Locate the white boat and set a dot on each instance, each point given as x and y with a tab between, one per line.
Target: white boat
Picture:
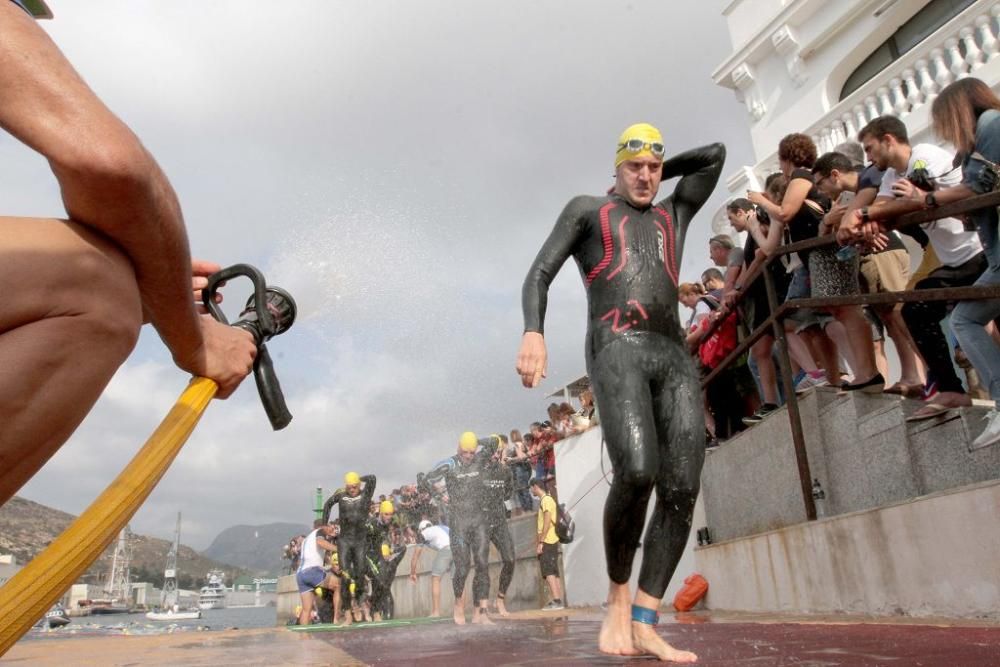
213	593
173	615
56	617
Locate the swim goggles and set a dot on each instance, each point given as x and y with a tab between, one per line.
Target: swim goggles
638	145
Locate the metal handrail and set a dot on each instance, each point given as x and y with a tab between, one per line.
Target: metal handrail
780	311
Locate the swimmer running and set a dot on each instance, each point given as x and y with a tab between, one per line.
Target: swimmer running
628	251
352	544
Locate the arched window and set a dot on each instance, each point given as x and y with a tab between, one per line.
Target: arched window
911	33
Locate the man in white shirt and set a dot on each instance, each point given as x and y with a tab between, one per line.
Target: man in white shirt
438	539
311	572
912	175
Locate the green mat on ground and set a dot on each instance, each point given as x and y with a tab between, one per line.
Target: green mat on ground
395	623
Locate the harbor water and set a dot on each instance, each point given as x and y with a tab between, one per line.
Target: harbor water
235	618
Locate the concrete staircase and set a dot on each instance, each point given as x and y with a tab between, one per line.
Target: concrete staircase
909	523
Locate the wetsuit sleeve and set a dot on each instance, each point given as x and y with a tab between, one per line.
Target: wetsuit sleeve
330	502
557	249
508	483
369	481
699	170
437	473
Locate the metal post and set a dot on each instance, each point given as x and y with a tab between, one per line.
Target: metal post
791	401
319	502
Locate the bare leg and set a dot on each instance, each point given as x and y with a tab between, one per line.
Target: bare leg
554	588
859	337
71	316
459	611
435	597
761	351
911	366
479	615
616	630
645	639
307	606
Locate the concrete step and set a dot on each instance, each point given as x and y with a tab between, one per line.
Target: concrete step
860	449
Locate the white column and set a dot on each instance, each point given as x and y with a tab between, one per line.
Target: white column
986	36
849	129
928	86
942	75
884	103
899	103
974	57
860	116
913	94
958	66
872	108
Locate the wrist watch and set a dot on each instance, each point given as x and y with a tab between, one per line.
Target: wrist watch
930	201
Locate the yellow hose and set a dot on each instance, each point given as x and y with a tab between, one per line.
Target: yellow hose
32	591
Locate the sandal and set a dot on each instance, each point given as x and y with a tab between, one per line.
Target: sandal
905	390
927	411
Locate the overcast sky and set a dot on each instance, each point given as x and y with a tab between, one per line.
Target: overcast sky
396	165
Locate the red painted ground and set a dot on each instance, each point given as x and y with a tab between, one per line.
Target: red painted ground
572	640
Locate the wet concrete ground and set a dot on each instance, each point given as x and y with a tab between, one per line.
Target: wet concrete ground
534	638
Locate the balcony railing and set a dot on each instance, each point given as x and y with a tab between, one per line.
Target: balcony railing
779	311
956	50
959	48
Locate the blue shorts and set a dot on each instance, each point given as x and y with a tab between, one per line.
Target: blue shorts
309	578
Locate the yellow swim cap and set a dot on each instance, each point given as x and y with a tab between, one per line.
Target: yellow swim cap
468	442
639	140
352	478
385	507
385	550
335	558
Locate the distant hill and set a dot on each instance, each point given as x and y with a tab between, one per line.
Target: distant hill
255	548
27	527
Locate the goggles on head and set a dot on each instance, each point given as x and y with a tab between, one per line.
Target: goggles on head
639	145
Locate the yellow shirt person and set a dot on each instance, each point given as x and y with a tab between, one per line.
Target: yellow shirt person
548	504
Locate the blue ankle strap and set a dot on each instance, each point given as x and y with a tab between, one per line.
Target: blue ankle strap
644	615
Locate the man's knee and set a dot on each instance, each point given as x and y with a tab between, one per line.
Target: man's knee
637	475
111	308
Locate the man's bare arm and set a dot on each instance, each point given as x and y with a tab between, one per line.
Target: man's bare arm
109	182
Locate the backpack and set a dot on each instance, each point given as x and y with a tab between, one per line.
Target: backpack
565	526
723	340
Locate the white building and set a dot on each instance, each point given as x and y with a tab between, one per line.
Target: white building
827	67
8	567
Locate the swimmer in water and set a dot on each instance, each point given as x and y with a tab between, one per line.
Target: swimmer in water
628	250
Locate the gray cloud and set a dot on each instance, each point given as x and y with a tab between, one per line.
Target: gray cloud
396	165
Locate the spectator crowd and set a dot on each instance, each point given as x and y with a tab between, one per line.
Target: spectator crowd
858	192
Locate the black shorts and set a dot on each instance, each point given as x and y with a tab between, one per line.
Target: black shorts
548	560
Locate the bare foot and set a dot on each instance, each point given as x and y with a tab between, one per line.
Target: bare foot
645	640
377	617
616	629
348	618
479	617
459	616
502	608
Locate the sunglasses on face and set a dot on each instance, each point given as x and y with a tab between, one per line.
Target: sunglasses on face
638	145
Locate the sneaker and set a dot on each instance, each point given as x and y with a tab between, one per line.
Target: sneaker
554	605
809	381
763	411
990	434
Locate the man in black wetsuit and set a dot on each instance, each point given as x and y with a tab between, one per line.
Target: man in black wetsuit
352	544
379	536
499	489
465	478
628	251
